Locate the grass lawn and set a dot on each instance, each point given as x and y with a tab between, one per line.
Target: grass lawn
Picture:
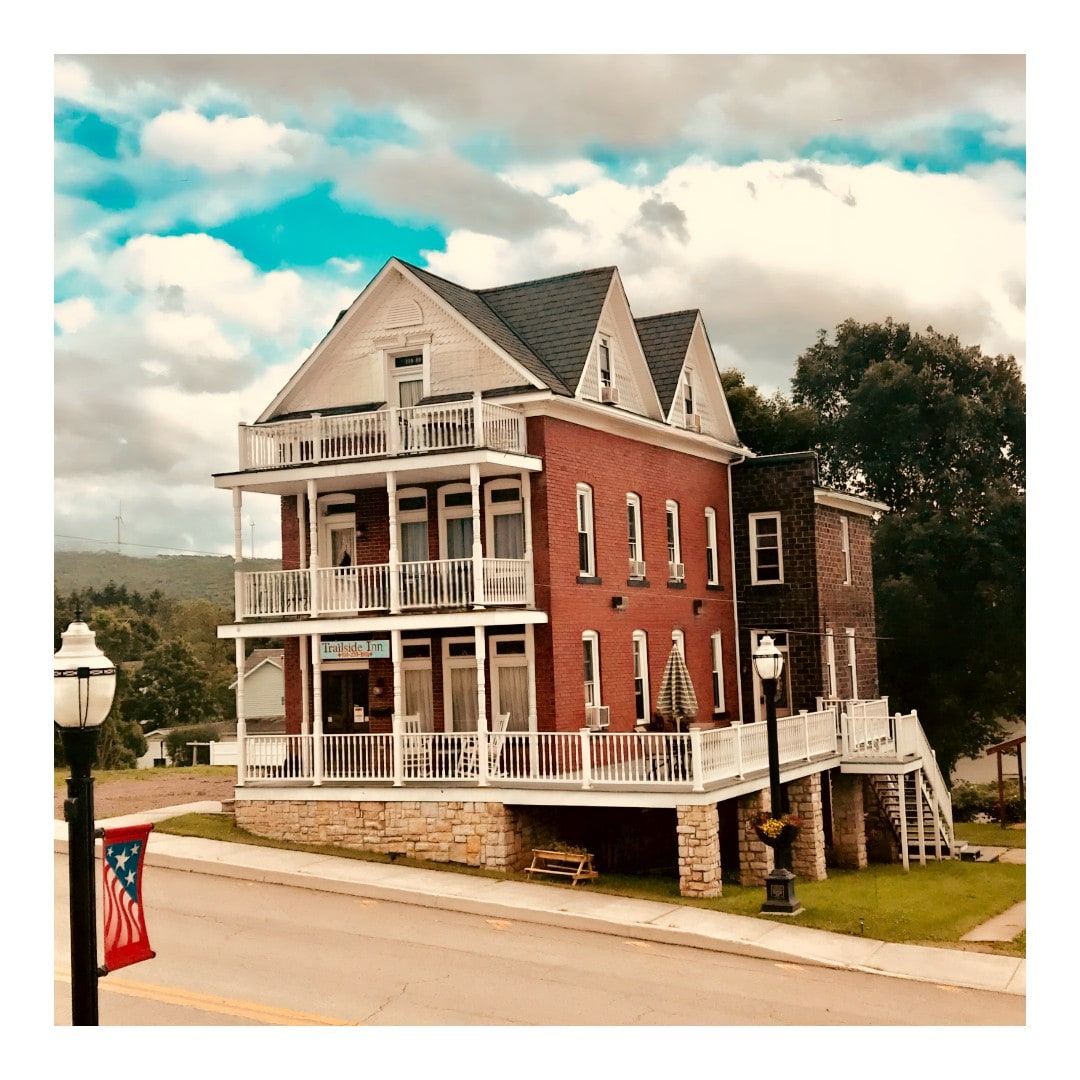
991	835
934	904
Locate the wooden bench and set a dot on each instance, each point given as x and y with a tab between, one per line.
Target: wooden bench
571	864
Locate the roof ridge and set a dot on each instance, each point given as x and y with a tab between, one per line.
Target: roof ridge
548	280
667	314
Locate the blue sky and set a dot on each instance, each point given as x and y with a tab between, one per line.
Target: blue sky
214	213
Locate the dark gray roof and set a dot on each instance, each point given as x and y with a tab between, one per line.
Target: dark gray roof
665	340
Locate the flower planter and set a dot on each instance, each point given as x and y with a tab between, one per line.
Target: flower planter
778	832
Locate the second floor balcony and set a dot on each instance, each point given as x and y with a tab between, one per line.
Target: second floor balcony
376	588
422	429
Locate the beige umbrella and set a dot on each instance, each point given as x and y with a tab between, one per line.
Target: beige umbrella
676	699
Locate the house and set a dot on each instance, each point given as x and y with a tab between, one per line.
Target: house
501	512
264	687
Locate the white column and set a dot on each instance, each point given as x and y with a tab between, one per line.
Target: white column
478	419
395	719
241	726
313	545
481	705
301	528
317	709
394	568
526	513
919	818
477	548
305	705
534	740
238	524
901	803
696	759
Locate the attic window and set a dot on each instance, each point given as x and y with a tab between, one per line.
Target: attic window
404	313
604	352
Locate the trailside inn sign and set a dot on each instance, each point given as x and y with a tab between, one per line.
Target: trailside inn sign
355	650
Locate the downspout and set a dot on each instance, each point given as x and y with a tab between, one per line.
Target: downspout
734	584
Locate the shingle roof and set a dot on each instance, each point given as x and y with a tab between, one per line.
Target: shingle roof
665	340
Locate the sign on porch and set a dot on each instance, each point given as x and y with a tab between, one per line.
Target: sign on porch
355	650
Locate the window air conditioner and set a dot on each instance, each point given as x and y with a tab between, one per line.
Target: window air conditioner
609	394
596	717
693	422
676	571
637	568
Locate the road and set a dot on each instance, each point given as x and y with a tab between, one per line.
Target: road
234	952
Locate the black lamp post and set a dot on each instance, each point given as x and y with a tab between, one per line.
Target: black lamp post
780	884
84	682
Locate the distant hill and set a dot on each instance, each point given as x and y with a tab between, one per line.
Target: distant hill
183	577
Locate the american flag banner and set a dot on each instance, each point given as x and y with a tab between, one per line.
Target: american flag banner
126	941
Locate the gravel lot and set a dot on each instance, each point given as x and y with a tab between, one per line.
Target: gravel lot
153	789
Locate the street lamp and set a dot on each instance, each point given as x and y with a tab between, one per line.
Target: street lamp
84	682
780	884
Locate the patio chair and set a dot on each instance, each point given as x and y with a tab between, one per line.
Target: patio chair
497	741
415	747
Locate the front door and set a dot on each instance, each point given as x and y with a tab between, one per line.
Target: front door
345	701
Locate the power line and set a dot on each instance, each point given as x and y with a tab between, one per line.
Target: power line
128	543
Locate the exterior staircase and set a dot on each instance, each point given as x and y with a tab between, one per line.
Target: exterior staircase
938	839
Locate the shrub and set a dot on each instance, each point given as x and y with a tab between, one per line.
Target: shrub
979	802
177	741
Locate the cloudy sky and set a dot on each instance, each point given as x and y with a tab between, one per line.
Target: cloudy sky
214	213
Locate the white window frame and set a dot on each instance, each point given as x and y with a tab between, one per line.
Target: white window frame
712	548
494	509
755	576
674	541
446	513
640	646
852	660
590	650
845	548
586	528
455	662
830	660
678	639
719	699
688	392
604	351
499	660
635	542
396	375
411	517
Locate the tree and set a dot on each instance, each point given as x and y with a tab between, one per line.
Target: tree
171	689
771	425
936	430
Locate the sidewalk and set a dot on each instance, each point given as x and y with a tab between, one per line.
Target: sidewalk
578	908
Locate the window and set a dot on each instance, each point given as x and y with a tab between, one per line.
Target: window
718	673
459	683
688	393
633	535
712	548
845	547
412	525
678	639
456	521
830	661
505	520
676	571
586	543
590	647
852	666
766	556
641	677
604	356
408	375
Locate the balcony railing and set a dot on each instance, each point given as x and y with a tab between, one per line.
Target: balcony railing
577	759
365	588
422	429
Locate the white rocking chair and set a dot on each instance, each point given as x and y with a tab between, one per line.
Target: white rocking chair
415	748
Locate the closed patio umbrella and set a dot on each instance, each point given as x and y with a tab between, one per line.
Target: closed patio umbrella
676	699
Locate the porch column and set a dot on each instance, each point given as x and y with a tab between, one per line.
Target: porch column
317	730
477	547
526	518
919	816
808	851
393	571
301	528
481	706
698	829
305	705
241	727
478	419
534	741
849	822
755	857
901	807
395	717
238	524
313	546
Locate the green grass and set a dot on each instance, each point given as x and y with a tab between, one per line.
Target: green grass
102	776
991	835
934	904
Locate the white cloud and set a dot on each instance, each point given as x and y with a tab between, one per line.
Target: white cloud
174	332
550	178
223	144
72	315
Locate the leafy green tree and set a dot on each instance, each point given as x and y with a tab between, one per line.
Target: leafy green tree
171	689
180	753
773	425
936	430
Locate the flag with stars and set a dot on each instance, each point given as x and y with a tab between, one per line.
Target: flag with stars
126	940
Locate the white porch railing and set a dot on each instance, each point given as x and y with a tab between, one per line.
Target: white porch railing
421	429
578	759
355	590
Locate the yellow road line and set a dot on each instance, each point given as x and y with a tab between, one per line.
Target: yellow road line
246	1010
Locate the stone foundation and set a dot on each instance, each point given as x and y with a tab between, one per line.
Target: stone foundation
808	851
849	822
698	831
471	833
755	858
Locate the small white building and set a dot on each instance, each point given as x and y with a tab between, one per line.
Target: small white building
264	685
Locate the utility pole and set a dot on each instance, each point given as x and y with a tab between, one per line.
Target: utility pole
119	522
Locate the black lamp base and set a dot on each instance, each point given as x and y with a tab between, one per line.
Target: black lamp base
780	898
